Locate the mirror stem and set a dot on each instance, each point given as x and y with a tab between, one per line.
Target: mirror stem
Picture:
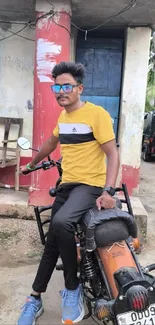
34	149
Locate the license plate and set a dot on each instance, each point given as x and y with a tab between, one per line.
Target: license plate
146	317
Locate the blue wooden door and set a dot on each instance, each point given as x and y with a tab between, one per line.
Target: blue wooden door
102	59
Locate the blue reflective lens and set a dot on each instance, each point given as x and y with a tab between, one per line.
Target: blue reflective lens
65	88
56	88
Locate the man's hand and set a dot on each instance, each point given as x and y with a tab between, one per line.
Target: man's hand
105	201
26	169
23	169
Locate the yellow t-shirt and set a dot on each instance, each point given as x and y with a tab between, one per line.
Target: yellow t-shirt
81	134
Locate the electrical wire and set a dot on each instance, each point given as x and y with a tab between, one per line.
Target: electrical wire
50	4
30	24
14	33
60	25
9	18
128	7
52	13
12	22
17	34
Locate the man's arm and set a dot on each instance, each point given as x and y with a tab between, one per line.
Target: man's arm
104	134
113	162
48	147
111	151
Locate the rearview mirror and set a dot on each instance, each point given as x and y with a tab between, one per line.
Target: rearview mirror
23	143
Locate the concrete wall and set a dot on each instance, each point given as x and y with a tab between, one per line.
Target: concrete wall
16	77
16	89
133	104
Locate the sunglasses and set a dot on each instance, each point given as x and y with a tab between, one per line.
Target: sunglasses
67	88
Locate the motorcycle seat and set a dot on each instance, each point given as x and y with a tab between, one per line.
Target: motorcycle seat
105	227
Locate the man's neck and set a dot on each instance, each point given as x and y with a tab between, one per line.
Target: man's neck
74	107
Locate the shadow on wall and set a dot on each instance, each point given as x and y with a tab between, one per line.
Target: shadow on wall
29	105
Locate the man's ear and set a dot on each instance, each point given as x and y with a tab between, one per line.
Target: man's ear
80	89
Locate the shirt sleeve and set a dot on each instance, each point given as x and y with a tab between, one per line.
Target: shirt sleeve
102	126
56	131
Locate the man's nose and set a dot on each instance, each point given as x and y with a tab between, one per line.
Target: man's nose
61	91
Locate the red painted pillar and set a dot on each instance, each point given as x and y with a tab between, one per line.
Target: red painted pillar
52	47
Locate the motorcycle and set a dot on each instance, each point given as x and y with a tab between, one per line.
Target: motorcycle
148	140
116	287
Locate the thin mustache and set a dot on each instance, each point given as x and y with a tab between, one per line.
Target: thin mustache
60	96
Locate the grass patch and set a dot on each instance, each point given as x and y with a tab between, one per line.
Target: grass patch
4	235
33	254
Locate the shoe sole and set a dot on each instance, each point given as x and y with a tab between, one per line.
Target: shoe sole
77	320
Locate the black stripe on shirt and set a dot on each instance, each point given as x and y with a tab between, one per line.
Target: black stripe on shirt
75	138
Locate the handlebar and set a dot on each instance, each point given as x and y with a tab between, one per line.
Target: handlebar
46	165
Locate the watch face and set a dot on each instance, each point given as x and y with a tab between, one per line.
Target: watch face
110	190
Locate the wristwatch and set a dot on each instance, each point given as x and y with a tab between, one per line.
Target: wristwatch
109	190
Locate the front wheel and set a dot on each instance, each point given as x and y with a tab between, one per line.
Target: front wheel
146	156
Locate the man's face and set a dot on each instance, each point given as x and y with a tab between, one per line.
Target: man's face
71	91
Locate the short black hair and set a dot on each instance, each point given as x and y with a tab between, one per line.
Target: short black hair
77	70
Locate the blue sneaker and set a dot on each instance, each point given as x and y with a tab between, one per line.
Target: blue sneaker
72	306
32	309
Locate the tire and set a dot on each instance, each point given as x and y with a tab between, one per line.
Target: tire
146	156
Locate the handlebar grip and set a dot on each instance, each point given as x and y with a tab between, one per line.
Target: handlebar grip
44	165
26	172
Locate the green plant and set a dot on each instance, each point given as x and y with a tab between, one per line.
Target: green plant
150	92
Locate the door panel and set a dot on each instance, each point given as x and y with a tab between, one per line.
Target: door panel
86	58
115	67
100	64
111	104
102	59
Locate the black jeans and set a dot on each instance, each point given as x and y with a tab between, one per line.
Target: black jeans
72	201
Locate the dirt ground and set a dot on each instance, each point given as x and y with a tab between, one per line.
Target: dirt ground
20	251
147	197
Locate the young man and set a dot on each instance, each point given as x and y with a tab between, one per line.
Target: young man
86	136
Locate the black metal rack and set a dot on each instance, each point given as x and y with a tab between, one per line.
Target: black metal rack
41	222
